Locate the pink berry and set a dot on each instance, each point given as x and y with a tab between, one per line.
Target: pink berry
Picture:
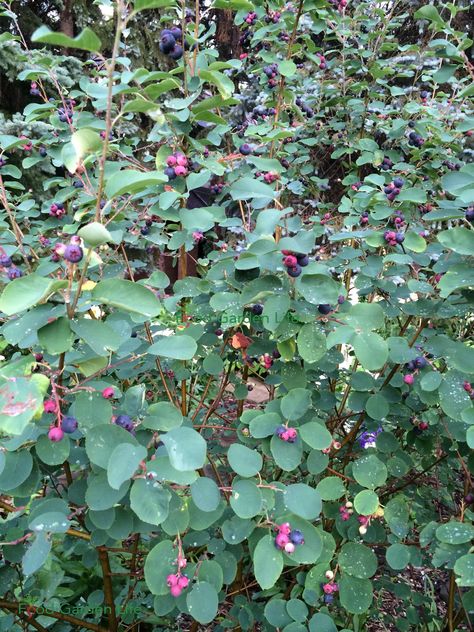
55	434
423	425
181	160
284	528
49	406
281	540
172	580
175	591
408	379
328	589
171	161
180	170
290	261
183	581
108	392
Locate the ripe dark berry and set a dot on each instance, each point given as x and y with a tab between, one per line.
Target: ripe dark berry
257	309
5	261
399	182
78	184
276	354
421	362
133	334
303	260
176	32
296	536
170	172
73	253
469	498
124	421
245	149
144	230
469	215
294	271
167	43
218	332
399	238
177	52
69	425
324	309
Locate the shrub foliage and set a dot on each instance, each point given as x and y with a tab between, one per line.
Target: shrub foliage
236	320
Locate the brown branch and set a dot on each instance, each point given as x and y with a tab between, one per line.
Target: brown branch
14	606
108	590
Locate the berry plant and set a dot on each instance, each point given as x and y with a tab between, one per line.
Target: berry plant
236	319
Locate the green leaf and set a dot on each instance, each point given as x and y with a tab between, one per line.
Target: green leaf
101	338
150	501
355	594
186	448
331	488
179	347
22	293
95	234
267	562
159	564
430	12
52	452
141	5
464	567
163	416
455	532
311	343
127	296
357	560
287	68
414	242
246	499
205	494
36	554
302	500
102	440
129	182
202	602
56	337
218	79
99	494
244	461
123	463
20	398
287	455
318	289
366	502
459	239
248	189
371	350
398	556
86	40
18	467
369	471
295	404
365	316
316	435
264	425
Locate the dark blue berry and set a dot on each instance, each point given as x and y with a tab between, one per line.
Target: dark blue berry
69	425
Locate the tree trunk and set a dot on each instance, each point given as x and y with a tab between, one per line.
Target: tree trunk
67	19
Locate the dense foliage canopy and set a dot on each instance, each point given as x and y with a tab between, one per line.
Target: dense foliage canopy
236	315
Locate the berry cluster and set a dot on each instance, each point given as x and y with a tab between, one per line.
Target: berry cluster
271	72
287	539
250	18
398	220
393	189
34	89
71	252
261	110
304	107
286	434
177	165
330	587
415	140
364	219
392	238
452	166
177	583
171	42
419	426
217	188
294	262
66	112
266	361
346	511
270	177
322	61
386	164
273	16
12	271
57	210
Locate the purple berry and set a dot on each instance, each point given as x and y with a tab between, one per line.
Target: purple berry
170	172
324	309
69	425
245	149
124	421
5	261
177	52
73	253
399	182
296	536
303	260
340	299
167	43
14	273
257	309
421	362
295	271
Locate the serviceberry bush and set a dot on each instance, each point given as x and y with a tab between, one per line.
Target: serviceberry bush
237	376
